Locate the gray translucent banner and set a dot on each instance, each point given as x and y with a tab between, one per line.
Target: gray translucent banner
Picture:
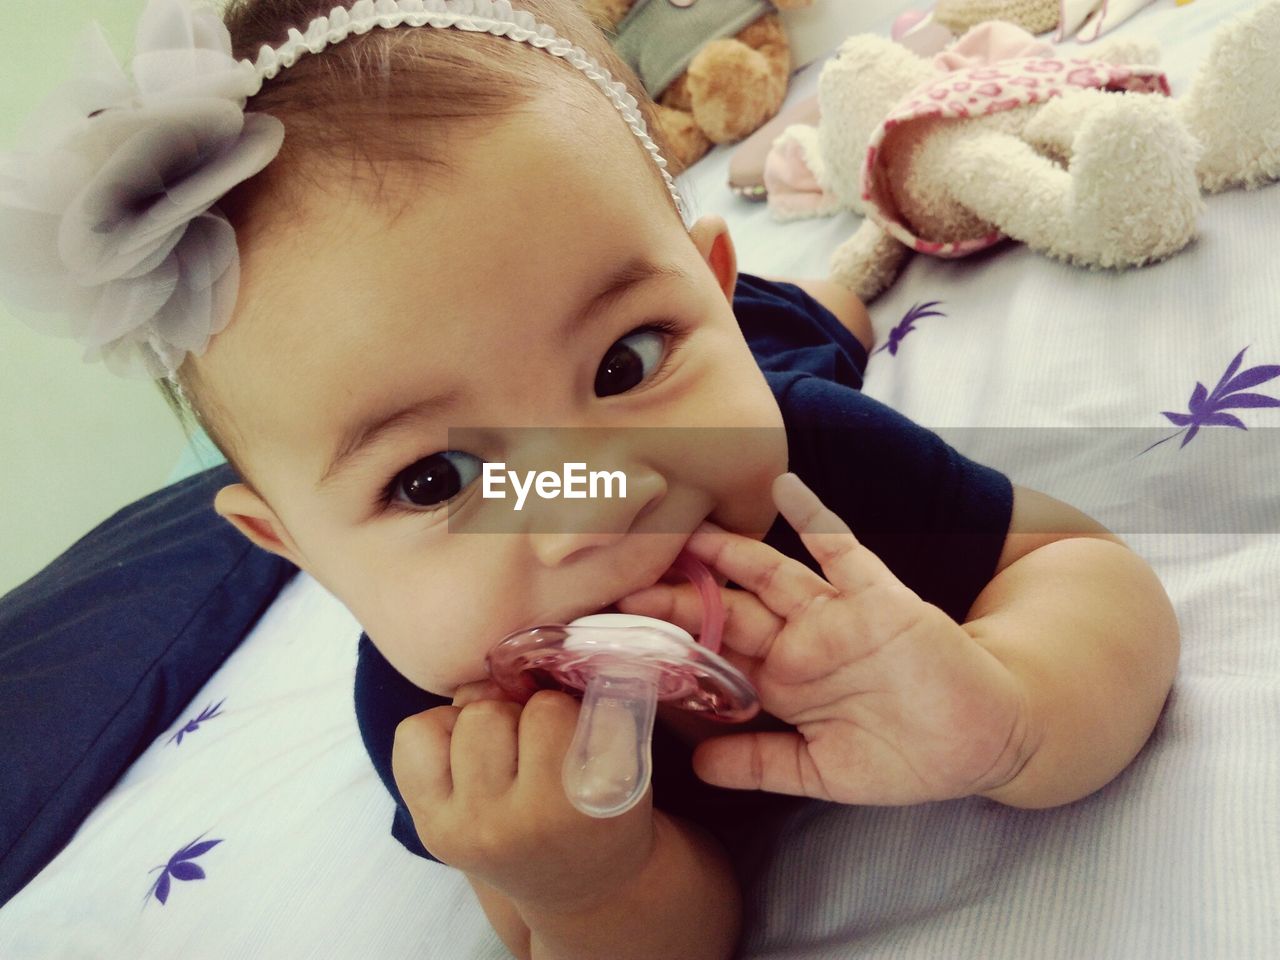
1132	480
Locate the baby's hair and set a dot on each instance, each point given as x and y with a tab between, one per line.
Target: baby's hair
389	97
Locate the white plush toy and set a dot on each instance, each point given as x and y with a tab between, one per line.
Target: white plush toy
1086	160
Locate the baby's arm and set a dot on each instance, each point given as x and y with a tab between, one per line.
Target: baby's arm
847	308
685	904
1084	625
1045	693
483	784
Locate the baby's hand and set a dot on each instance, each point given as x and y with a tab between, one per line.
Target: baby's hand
892	701
483	784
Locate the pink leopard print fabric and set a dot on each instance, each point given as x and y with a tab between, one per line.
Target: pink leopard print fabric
978	92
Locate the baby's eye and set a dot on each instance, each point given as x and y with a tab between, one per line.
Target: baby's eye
435	480
629	362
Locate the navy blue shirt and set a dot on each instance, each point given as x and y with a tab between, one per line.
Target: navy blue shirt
937	519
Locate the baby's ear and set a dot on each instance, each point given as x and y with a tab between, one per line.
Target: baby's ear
711	236
251	515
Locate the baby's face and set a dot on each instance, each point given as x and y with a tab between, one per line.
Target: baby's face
362	347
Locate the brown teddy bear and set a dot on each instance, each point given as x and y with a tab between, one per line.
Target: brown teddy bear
718	69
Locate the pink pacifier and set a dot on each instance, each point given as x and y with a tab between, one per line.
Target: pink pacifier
624	665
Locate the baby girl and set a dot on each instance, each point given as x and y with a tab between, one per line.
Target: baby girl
417	217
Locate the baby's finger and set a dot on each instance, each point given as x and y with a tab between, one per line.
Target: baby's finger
774	762
478	690
482	752
783	585
680	605
420	757
749	626
547	725
847	564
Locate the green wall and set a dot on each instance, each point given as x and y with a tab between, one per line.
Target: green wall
75	443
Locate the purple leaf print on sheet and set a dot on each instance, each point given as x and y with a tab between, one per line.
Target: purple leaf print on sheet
907	324
208	713
179	867
1206	408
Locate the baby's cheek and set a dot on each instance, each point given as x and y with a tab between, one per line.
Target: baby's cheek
440	655
413	641
762	445
739	376
761	457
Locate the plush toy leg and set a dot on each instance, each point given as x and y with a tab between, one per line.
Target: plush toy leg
1004	181
868	261
1233	107
1052	129
1128	197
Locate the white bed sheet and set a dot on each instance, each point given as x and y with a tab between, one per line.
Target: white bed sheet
1056	375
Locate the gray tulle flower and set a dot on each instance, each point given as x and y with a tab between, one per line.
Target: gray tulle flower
107	207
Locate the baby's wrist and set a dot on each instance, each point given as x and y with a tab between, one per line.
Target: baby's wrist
1015	776
598	904
1004	782
601	886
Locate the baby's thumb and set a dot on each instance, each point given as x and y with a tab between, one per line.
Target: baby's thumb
775	762
680	605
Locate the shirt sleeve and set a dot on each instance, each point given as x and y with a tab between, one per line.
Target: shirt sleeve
790	332
937	519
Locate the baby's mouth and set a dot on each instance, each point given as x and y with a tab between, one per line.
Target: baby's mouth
669	576
690	568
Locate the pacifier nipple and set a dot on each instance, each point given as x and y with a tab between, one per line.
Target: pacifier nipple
610	762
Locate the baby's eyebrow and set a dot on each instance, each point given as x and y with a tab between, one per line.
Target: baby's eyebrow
631	274
620	283
365	433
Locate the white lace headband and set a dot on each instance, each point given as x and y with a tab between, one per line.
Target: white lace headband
107	208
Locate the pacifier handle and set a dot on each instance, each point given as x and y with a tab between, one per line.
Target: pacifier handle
610	761
712	631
